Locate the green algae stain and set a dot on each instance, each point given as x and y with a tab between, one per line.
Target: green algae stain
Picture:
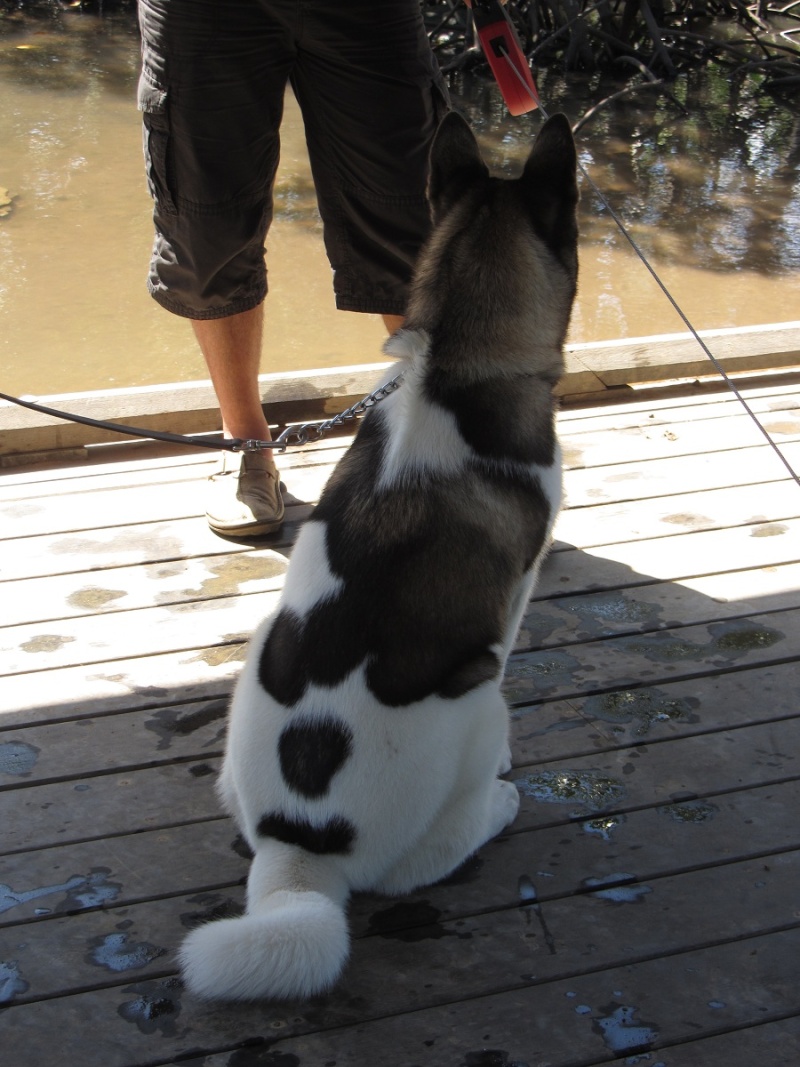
45	643
218	655
545	668
603	826
747	640
593	789
92	597
693	811
664	648
229	574
727	639
601	613
645	707
769	529
692	521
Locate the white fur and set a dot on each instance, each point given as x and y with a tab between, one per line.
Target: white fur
310	579
423	438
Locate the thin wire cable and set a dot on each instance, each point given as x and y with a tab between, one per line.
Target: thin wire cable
662	286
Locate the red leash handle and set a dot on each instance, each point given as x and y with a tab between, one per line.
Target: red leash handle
502	50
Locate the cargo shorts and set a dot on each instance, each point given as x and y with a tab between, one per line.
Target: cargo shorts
211	92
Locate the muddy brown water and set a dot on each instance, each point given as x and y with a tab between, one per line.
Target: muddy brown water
714	200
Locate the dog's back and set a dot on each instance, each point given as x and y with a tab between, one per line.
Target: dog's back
368	729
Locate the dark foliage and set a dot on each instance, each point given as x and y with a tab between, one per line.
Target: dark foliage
655	39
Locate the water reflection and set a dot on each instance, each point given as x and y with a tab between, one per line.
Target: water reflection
717	188
713	198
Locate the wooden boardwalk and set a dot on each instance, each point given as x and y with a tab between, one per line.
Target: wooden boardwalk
644	907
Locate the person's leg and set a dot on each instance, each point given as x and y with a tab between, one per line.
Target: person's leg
244	494
212	88
232	350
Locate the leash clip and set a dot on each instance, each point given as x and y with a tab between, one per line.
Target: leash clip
253	445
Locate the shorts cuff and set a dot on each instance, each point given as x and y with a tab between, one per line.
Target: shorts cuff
372	307
224	311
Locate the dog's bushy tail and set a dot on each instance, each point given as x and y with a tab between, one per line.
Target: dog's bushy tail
290	943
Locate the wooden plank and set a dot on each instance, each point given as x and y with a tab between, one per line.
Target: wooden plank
101	949
137	460
618	780
48	645
664	515
100	472
254	571
108	805
30	600
188	407
650	658
602	447
776	1043
559	857
643	1013
684	556
553	620
618	717
622	780
155	542
662	406
646	359
96	744
644	442
777	406
641	852
119	872
89	746
90	640
119	506
678	475
76	691
196	673
42	646
751	980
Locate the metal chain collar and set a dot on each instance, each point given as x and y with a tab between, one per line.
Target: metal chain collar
309	432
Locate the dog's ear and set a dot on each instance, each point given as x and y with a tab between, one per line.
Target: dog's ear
456	164
550	180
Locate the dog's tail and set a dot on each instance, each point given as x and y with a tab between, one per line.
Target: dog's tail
292	941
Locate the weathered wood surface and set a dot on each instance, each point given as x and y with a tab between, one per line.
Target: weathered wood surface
642	908
190	407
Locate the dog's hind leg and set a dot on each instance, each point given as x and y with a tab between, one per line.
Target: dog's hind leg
467	823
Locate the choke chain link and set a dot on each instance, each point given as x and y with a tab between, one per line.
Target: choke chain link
309	432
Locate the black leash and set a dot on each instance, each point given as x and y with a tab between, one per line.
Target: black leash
228	444
300	434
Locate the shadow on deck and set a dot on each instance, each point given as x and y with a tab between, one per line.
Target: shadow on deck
643	906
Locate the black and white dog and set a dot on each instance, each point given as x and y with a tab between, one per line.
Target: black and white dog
368	729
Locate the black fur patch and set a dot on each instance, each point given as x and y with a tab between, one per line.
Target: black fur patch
479	668
279	670
336	837
311	753
498	419
427	581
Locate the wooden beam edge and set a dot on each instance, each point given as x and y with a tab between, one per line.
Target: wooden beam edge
190	407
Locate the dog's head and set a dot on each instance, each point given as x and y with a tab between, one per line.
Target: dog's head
500	269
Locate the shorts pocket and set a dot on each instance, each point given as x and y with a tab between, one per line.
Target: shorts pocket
155	142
